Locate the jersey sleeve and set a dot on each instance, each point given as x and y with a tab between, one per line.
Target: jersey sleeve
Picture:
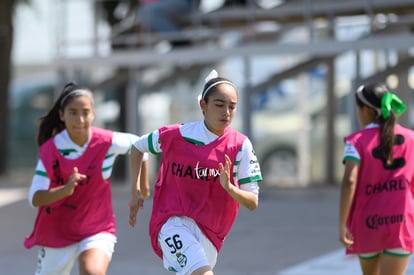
351	153
149	143
40	181
247	168
122	142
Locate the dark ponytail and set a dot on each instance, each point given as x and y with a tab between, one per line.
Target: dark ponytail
387	137
51	124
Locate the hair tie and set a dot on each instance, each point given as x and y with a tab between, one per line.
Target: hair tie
212	75
75	93
361	97
390	101
203	95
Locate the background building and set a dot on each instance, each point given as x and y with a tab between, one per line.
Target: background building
295	64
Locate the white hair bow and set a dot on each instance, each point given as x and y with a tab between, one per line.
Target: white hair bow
211	75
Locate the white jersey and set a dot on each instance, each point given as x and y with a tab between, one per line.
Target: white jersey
121	145
350	152
246	167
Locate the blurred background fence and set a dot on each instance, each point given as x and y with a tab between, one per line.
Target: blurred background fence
296	64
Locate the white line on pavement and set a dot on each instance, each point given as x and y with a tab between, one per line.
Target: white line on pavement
8	196
335	262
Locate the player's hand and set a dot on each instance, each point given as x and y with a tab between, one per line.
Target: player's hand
345	237
73	181
225	173
135	204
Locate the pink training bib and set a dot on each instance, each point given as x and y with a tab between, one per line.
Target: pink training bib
382	212
188	184
89	210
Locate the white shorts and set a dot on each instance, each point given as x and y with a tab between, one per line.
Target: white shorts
396	252
184	247
59	261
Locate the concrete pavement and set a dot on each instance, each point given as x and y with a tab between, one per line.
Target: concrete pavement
293	232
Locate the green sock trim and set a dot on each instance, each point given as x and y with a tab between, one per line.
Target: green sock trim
370	257
396	254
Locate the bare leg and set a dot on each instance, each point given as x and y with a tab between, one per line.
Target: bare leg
370	266
393	265
93	262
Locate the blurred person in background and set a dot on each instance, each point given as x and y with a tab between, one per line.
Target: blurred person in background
207	170
376	219
71	187
165	16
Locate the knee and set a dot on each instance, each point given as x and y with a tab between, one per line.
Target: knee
93	262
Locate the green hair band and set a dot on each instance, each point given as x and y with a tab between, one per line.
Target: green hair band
391	102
